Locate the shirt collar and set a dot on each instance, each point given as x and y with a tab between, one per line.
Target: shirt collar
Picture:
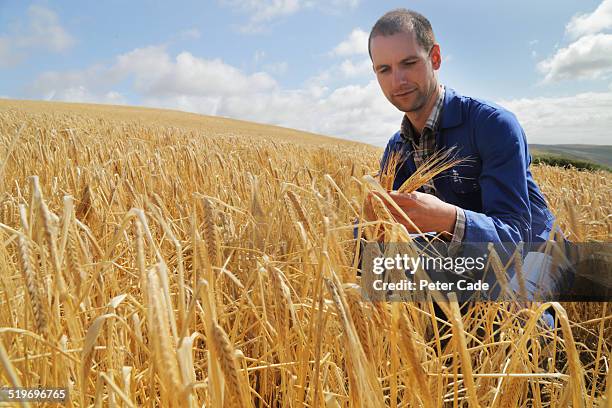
433	121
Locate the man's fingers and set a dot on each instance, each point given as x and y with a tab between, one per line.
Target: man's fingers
405	201
397	215
397	197
403	196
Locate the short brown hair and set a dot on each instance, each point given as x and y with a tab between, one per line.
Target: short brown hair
404	21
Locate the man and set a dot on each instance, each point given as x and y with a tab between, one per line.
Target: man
491	196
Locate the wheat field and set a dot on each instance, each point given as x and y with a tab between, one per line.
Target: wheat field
157	258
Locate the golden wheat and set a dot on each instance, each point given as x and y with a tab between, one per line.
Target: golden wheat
191	242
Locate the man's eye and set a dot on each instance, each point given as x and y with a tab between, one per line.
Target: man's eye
383	70
409	62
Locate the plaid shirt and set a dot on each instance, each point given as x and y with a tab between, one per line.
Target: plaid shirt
424	145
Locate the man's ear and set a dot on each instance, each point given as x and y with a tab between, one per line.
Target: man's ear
436	57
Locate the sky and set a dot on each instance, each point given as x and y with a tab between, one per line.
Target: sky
303	64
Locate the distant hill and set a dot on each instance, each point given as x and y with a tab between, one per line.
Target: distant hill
172	118
562	153
597	154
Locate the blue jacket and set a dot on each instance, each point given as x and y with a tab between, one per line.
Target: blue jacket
495	188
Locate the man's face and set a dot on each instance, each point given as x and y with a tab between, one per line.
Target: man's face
405	71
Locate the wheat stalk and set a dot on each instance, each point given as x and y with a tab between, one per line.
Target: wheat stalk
227	359
32	284
164	352
288	205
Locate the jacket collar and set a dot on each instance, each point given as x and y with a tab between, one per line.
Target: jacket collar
452	114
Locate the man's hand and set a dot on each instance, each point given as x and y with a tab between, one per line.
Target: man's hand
427	212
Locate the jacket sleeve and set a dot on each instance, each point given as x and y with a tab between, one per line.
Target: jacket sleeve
506	215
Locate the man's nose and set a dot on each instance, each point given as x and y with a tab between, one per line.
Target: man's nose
399	77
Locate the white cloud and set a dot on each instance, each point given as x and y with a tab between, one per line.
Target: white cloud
42	31
263	12
589	57
54	85
274	68
352	112
355	44
155	73
590	23
149	63
84	95
211	86
583	118
346	72
268	10
359	113
350	69
339	5
207	105
356	62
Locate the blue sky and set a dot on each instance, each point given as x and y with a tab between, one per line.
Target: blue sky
304	64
